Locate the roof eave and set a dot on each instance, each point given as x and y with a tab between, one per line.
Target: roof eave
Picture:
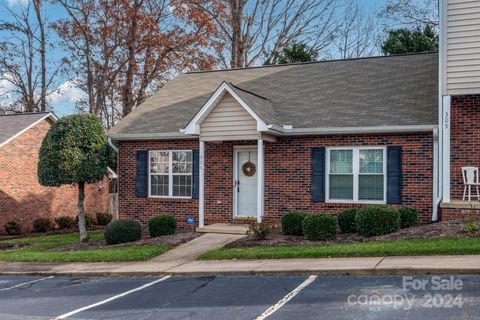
49	115
278	131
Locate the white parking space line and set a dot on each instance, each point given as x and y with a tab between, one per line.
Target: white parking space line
25	283
71	313
287	298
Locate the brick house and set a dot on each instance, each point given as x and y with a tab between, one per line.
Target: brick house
22	198
255	143
320	137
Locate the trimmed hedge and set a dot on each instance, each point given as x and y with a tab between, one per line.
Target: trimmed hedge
408	217
13	227
122	231
292	223
319	227
162	225
42	225
65	222
346	220
377	220
103	218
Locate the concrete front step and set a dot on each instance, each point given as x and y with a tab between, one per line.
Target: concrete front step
224	228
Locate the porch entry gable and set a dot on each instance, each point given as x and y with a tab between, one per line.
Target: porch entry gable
227	117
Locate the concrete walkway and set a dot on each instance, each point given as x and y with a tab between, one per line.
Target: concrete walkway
193	249
359	266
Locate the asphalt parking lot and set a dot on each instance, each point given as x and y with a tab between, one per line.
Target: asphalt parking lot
240	297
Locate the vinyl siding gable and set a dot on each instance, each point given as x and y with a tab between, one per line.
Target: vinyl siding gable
228	121
462	46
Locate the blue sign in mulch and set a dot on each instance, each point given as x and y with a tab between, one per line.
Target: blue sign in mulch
190	220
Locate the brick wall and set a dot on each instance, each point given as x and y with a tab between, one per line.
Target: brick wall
23	198
142	209
455	213
464	139
288	166
287	176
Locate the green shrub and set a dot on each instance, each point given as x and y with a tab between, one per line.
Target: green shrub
122	231
162	225
42	225
319	227
377	220
260	230
292	223
89	220
13	227
346	220
103	218
65	222
408	217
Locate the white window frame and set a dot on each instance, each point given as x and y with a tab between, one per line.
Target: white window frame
170	175
356	173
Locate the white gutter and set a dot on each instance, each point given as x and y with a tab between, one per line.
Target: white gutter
279	131
151	136
350	130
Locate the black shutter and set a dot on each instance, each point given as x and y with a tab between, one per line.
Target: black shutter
195	174
318	174
141	179
394	175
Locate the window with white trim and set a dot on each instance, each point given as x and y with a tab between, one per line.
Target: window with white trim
170	174
356	174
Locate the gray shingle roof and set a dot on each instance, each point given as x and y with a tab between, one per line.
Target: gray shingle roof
378	91
12	124
260	105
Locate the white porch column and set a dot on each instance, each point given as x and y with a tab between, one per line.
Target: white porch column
260	182
446	148
201	195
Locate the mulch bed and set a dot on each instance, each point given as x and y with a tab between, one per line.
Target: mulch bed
444	229
51	232
172	240
11	246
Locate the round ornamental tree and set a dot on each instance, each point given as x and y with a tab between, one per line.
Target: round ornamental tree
74	151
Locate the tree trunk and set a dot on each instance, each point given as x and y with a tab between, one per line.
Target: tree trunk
236	12
128	102
43	64
81	213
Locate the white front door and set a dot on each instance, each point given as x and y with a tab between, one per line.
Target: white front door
245	190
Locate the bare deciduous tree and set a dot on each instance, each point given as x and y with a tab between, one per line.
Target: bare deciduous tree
411	13
250	29
122	51
23	58
357	35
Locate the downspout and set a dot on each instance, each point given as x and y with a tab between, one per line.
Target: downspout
112	145
438	134
437	173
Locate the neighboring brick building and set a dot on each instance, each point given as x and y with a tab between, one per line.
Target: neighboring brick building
21	196
255	143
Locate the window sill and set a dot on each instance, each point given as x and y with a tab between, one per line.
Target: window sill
356	202
170	199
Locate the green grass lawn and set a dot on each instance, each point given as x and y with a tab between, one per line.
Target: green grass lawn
441	246
37	250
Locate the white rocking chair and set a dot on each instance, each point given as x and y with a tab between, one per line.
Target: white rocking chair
470	178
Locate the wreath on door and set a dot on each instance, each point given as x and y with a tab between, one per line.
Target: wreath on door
248	168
